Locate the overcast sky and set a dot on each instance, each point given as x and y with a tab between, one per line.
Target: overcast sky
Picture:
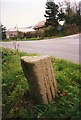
23	13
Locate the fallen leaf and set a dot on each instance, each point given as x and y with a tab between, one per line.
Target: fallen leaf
80	103
74	83
63	93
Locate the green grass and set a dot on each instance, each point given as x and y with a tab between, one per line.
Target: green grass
28	39
16	100
36	38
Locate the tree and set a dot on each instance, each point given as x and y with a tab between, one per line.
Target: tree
77	16
72	15
61	15
51	13
3	32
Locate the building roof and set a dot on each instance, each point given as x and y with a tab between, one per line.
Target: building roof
40	24
22	29
26	29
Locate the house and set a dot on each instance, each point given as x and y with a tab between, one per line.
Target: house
14	31
11	34
40	25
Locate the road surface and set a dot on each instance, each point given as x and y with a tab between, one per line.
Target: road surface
64	47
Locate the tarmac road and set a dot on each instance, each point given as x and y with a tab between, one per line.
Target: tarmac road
67	48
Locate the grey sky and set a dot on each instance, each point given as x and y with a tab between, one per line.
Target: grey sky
23	12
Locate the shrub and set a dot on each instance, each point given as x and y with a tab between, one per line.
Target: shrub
71	29
50	31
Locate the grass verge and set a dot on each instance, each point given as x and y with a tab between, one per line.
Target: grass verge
16	98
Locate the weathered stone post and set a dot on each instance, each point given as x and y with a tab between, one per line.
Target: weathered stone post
39	73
